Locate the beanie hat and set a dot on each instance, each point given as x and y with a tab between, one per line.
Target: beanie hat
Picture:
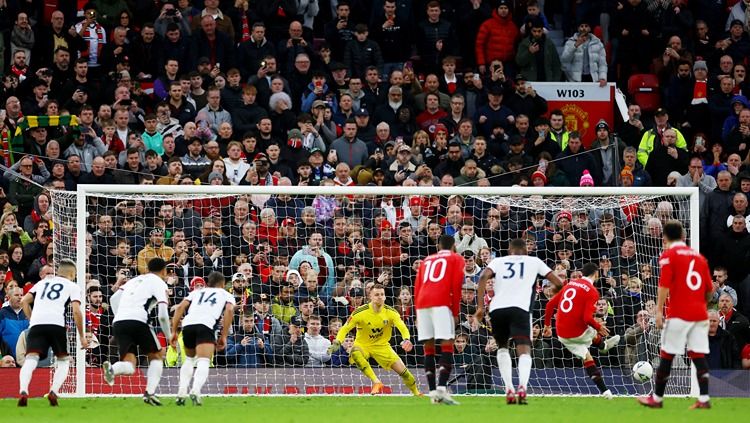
539	174
586	179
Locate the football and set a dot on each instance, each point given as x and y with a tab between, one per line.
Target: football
642	371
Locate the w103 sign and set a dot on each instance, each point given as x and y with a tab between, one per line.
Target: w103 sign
583	104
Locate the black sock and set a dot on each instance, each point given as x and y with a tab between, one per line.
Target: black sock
429	369
596	375
662	375
446	365
701	365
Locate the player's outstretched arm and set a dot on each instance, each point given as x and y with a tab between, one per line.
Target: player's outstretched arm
556	281
178	313
26	302
164	320
221	343
487	274
549	310
75	306
661	299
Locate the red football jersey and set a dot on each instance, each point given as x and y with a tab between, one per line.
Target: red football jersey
439	281
575	304
685	272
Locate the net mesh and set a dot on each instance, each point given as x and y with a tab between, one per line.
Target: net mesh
286	258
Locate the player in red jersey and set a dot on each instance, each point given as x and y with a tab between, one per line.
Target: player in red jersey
438	294
576	327
685	279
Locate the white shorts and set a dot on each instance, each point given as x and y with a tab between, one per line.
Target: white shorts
435	323
579	346
678	334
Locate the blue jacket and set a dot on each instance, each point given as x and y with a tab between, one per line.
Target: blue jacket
11	326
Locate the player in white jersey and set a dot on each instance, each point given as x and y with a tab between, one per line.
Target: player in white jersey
515	278
50	297
205	308
132	304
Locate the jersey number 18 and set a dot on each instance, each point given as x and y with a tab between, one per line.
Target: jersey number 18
54	292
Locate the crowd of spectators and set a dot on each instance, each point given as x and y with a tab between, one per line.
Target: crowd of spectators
369	92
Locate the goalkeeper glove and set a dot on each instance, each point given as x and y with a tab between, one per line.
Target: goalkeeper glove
335	345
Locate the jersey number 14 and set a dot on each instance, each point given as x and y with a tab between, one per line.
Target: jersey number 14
211	298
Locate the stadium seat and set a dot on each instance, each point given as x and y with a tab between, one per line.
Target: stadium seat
644	89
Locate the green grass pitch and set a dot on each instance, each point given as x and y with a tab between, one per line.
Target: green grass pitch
357	409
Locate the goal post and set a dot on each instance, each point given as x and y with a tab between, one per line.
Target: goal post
632	211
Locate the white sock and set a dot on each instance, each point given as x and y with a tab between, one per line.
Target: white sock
24	376
186	373
524	369
703	398
506	368
61	373
201	374
153	376
123	368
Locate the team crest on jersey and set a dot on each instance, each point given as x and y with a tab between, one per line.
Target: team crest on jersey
385	322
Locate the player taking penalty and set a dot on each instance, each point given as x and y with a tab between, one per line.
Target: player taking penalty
437	290
514	283
206	308
374	323
685	287
132	304
576	327
50	297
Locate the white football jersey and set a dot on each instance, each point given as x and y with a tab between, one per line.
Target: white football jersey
515	280
207	307
139	296
51	297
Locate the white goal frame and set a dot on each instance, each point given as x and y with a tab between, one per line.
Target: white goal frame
84	190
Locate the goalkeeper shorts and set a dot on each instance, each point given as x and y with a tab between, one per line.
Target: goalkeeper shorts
383	354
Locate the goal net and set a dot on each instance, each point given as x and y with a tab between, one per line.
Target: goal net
299	259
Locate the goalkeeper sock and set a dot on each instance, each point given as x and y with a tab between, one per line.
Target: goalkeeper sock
662	375
409	381
62	365
201	374
361	362
153	376
595	374
24	377
429	369
506	368
446	366
701	366
186	373
524	369
123	368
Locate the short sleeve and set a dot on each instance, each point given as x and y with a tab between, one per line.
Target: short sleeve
75	292
494	264
160	292
665	279
34	289
230	298
542	267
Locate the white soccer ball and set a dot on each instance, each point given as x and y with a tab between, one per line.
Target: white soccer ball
643	371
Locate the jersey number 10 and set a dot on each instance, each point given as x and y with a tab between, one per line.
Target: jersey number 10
434	270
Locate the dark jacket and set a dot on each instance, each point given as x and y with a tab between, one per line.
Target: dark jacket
223	49
573	164
358	56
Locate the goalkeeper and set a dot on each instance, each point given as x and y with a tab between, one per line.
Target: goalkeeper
374	323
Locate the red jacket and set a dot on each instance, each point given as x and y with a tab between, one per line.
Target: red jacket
385	252
496	39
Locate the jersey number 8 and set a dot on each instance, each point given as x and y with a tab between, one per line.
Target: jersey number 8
567	300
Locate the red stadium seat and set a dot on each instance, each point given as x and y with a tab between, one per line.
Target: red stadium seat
644	89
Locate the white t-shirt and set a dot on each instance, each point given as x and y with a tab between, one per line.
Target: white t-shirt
236	171
515	280
139	296
51	297
207	307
